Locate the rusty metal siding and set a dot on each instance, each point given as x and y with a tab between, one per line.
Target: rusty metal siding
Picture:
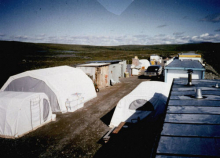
101	76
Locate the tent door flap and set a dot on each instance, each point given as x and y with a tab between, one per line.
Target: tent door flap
35	112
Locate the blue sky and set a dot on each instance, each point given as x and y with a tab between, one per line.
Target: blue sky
110	22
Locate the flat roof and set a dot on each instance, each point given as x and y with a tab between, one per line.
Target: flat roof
189	53
186	63
191	125
93	65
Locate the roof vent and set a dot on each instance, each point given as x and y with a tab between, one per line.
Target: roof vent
198	93
190	71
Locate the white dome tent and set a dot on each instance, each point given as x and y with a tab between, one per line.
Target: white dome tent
23	112
61	84
153	94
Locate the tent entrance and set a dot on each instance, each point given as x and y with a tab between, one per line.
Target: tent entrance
30	84
35	112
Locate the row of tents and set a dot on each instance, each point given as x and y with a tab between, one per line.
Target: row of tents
28	99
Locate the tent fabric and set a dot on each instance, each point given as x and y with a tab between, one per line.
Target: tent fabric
59	83
22	112
153	94
144	63
29	84
139	63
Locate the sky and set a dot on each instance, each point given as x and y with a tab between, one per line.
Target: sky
110	22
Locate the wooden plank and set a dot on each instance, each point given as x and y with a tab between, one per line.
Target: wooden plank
192	118
117	129
107	136
192	130
195	102
192	110
189	146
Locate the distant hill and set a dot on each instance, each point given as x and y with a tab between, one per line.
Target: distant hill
17	57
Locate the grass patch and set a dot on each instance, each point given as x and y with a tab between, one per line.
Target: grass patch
19	56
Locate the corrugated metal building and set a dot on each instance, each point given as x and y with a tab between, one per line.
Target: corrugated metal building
117	68
178	69
98	72
106	72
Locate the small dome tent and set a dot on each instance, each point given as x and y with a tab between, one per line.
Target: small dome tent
22	112
60	84
147	97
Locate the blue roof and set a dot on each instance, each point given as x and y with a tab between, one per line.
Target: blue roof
193	64
191	125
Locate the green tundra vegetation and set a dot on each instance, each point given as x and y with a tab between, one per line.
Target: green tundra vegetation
17	57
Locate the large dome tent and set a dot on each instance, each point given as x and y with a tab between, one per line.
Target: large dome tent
60	84
147	97
23	112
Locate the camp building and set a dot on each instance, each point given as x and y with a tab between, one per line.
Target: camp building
104	73
178	69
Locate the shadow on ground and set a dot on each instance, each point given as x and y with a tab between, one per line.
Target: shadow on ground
106	119
160	78
133	140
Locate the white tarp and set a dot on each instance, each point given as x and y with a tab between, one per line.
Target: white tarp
58	83
144	63
22	112
131	108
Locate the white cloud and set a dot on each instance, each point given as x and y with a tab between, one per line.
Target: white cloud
140	39
204	35
206	38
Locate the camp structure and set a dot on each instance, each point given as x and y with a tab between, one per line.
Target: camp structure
190	55
148	97
179	69
138	66
104	73
98	72
67	88
155	59
23	112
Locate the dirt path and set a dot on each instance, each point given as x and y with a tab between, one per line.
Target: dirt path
76	134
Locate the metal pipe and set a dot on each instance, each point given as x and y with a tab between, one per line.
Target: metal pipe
190	71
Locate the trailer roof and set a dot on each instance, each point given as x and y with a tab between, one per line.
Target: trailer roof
186	63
